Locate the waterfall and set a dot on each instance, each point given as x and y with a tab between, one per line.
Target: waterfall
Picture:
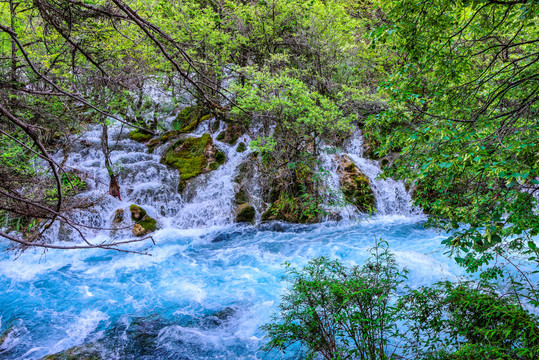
208	199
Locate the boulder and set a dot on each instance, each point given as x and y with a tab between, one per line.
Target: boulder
245	213
144	223
355	185
83	352
241	197
118	216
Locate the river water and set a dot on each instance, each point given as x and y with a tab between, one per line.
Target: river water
209	284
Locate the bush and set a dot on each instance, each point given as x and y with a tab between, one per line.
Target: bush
337	312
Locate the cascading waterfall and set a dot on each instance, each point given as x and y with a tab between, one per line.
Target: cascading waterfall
209	284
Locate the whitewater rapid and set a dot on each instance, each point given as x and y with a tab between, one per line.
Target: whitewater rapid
203	294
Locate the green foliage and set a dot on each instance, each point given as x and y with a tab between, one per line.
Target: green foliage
72	184
466	321
462	112
368	312
337	312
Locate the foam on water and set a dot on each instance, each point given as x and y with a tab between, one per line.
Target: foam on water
207	292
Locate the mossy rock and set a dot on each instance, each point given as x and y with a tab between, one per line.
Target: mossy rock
241	197
144	223
118	216
137	213
355	185
4	335
245	213
241	147
140	136
192	157
231	134
245	170
189	118
187	155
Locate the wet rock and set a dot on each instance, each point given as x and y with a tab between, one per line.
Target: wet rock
219	318
231	134
245	213
192	157
118	216
144	223
241	197
355	185
245	171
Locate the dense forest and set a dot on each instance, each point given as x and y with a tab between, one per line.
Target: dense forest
443	94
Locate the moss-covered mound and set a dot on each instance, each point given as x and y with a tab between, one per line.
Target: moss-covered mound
140	136
355	185
144	223
192	157
189	118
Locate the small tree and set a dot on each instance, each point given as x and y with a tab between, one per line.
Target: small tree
338	312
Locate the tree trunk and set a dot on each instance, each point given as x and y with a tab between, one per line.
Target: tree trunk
114	186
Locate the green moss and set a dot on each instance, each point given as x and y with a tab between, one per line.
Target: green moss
241	147
221	136
148	223
168	135
190	157
137	213
220	157
189	118
215	126
144	224
140	136
187	155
